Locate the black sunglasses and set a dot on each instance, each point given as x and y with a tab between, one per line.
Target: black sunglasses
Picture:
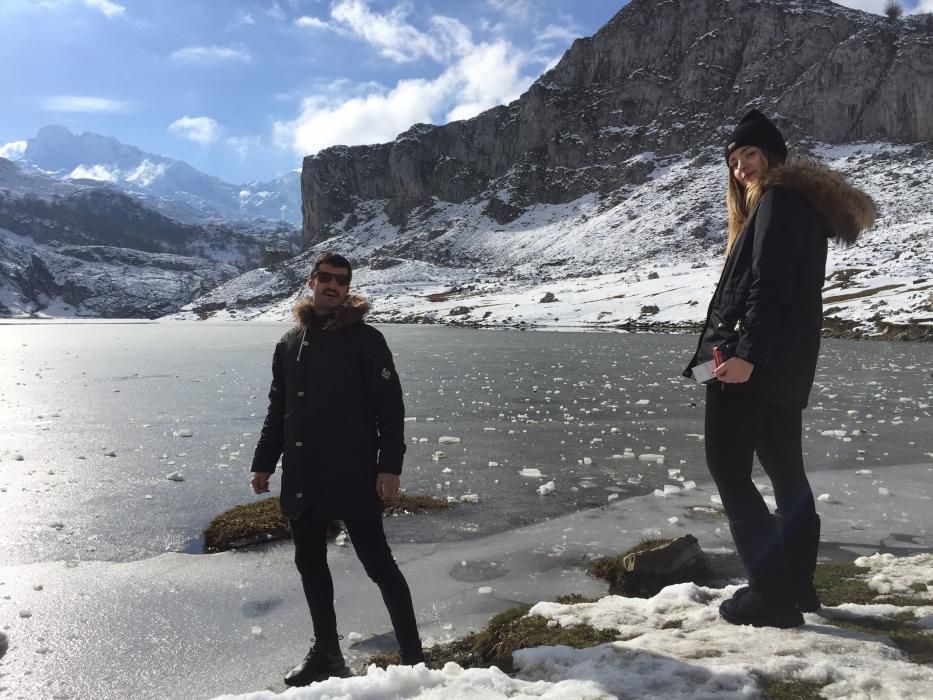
325	277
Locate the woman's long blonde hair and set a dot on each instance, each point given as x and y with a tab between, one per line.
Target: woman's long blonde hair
741	200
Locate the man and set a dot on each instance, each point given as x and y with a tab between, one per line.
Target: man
336	417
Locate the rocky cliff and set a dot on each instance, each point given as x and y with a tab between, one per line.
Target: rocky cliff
662	77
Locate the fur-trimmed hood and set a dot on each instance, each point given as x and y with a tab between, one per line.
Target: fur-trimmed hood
846	210
351	311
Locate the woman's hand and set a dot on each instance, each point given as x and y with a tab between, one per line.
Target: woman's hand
735	370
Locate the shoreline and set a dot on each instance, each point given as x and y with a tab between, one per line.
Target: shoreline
833	327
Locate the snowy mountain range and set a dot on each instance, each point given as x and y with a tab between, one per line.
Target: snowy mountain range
597	198
88	248
172	186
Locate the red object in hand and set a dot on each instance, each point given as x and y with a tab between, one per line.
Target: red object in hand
717	356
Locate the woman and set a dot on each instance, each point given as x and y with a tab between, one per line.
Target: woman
763	328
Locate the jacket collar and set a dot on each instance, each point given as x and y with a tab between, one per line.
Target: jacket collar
352	311
846	210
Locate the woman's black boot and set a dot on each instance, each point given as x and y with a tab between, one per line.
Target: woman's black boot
767	603
801	548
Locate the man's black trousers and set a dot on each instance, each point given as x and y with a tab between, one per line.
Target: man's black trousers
737	427
369	541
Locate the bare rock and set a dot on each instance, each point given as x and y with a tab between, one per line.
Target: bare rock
682	553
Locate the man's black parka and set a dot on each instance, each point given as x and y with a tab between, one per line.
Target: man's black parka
336	415
768	306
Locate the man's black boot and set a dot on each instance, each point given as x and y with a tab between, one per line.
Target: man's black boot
319	665
765	603
411	657
801	547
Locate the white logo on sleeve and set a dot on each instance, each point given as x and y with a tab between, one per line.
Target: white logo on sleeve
386	373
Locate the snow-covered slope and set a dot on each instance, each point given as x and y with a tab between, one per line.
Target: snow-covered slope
172	186
98	281
644	256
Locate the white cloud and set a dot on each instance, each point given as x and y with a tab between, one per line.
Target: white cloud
561	34
95	172
243	19
520	10
146	173
244	145
489	74
82	103
275	12
109	8
311	22
923	6
203	130
390	33
211	54
13	150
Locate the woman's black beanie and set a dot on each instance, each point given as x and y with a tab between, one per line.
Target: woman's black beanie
756	129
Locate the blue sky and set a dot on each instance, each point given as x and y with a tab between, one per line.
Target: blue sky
242	89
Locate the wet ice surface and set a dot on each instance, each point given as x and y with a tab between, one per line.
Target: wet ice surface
123	441
197	626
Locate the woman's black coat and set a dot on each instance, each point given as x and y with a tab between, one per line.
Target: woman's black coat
768	306
336	416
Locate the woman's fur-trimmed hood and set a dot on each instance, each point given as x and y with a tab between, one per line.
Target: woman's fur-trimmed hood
845	209
351	311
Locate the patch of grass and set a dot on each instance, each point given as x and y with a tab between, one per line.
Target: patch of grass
622	582
860	295
574	599
505	633
403	503
841	582
260	521
442	296
910	638
781	689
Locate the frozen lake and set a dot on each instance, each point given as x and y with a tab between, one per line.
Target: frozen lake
567	404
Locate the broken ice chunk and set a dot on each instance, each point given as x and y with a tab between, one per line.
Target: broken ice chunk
531	471
175	476
448	440
545	489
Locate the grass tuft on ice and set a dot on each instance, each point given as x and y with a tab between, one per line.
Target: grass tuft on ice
505	633
262	521
790	689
